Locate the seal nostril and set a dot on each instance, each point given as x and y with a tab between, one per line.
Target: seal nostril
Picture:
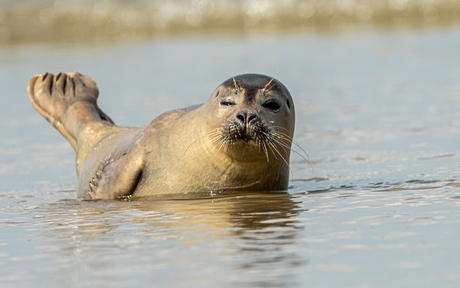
251	118
245	117
241	116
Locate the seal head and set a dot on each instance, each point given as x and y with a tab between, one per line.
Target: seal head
255	117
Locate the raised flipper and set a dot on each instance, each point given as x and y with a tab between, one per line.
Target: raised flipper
116	179
53	96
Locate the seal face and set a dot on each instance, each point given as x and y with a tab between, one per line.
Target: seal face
257	115
239	140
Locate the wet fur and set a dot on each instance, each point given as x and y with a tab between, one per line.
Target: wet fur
199	148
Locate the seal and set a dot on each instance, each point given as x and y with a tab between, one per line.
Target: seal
239	140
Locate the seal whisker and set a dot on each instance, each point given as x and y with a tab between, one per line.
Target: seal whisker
286	162
209	134
284	145
287	137
268	89
281	145
236	85
234	82
263	90
215	136
280	137
265	150
271	149
216	140
279	127
222	144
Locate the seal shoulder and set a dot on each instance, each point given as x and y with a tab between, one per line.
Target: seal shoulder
119	177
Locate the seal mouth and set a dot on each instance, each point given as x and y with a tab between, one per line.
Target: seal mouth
257	134
252	140
246	138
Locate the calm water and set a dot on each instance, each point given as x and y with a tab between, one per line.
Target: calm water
377	113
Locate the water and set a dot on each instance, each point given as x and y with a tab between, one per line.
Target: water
377	112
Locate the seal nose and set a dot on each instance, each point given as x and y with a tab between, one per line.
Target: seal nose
245	117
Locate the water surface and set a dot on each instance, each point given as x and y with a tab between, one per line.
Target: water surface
377	113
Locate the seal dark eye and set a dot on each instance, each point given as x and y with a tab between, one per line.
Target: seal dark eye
272	105
227	103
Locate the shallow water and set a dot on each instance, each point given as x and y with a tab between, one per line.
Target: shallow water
377	113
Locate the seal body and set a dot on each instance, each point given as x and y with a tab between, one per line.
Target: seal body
239	140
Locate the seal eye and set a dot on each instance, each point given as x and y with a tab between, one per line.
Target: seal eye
227	103
272	105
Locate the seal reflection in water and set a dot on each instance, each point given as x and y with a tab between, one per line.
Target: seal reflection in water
239	140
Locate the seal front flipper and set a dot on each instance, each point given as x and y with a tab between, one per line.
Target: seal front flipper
116	179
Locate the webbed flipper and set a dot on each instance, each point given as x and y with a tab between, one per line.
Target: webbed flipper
116	179
53	96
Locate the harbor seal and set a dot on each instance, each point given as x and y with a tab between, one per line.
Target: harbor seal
239	140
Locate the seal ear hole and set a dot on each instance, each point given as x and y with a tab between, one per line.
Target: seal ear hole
288	104
272	105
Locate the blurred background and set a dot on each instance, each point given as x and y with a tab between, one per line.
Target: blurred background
29	21
376	86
